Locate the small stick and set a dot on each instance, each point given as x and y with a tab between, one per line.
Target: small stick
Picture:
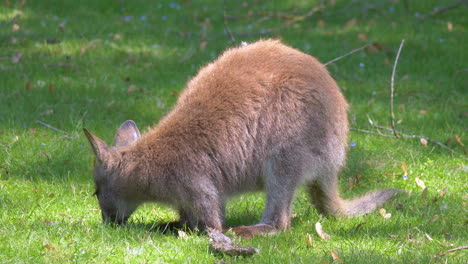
347	54
372	133
443	9
453	249
419	137
226	27
51	127
392	115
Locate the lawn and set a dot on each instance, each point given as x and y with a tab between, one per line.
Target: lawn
95	64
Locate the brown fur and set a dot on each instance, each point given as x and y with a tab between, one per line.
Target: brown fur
261	116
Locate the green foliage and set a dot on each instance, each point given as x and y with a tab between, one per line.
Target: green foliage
95	64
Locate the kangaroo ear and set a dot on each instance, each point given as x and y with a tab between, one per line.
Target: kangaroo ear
103	152
127	134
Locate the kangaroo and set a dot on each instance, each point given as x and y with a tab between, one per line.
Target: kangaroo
263	116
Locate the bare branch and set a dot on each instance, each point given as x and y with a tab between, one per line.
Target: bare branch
347	54
444	9
226	27
453	249
51	127
372	133
392	114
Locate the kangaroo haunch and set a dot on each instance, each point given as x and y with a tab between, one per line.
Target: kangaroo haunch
263	116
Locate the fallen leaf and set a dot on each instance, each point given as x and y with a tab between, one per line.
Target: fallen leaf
221	243
335	256
117	37
423	141
350	23
308	240
449	26
15	27
423	112
428	237
17	57
434	218
442	192
360	225
61	27
384	213
351	183
203	45
362	37
182	234
457	138
51	88
320	232
49	247
420	183
131	89
403	166
47	112
385	61
321	23
424	195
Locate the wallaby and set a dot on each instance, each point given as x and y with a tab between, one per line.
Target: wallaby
261	116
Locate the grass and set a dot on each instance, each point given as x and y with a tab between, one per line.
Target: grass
118	60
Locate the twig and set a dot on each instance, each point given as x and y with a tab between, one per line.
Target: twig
226	27
392	115
372	133
443	9
453	249
418	137
347	54
51	127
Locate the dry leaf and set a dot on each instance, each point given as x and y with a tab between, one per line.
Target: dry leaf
424	195
423	111
17	57
351	183
321	23
420	183
320	232
182	234
457	138
221	243
442	192
15	27
449	26
51	88
117	37
47	112
384	213
434	218
308	240
131	89
203	45
49	247
403	166
385	61
335	256
350	23
362	37
428	237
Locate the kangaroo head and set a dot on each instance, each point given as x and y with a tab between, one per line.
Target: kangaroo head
110	184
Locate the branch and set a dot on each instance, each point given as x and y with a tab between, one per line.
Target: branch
453	249
51	127
347	54
392	115
226	27
444	9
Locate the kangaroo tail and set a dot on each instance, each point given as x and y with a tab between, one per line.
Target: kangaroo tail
366	203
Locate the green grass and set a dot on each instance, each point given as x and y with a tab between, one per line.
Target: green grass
47	212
